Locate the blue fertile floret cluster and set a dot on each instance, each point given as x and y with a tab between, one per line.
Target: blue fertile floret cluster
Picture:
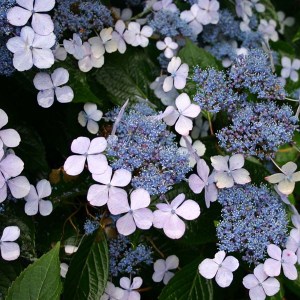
126	259
82	17
252	218
90	226
258	129
145	147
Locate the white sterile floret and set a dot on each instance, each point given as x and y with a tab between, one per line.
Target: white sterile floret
90	151
60	53
219	267
107	40
35	201
286	180
64	270
293	242
283	21
208	13
31	49
226	175
179	73
268	30
181	116
74	46
192	18
9	249
50	87
8	137
111	184
118	36
162	269
200	128
259	7
137	213
135	36
243	9
130	288
10	167
124	14
260	284
285	259
89	117
93	56
165	5
198	147
168	46
167	98
167	217
41	23
70	249
112	292
290	68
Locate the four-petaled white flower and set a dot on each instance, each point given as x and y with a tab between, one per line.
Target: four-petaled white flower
124	14
204	180
9	249
293	242
162	269
268	30
179	73
135	36
168	46
181	116
259	7
10	167
109	44
112	292
286	180
192	17
100	194
59	53
93	55
219	267
118	36
90	151
136	214
35	202
130	292
8	137
31	49
283	21
167	216
89	117
41	23
260	284
51	86
290	68
165	5
285	259
208	13
226	176
74	46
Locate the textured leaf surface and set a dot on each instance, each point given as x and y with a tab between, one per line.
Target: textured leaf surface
187	284
41	280
88	271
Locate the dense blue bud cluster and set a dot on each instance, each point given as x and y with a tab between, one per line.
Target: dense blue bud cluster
6	59
145	147
90	226
5	27
252	218
214	91
126	259
258	129
254	73
223	50
82	17
167	23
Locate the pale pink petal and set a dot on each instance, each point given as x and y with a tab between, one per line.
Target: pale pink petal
168	84
97	194
10	137
143	218
220	163
139	198
42	23
289	256
296	176
179	82
74	164
43	6
10	234
105	177
260	273
98	145
192	111
45	98
257	293
274	251
188	210
219	257
136	283
11	165
160	218
28	4
42	58
286	187
174	227
45	207
167	277
42	81
43	188
271	286
196	184
64	94
272	267
60	76
211	194
241	176
290	271
250	281
172	262
223	180
125	283
208	268
121	178
32	195
80	145
3	193
170	115
231	263
126	225
224	277
19	186
3	118
97	163
92	126
184	125
23	61
118	202
18	16
10	251
289	168
183	71
32	207
182	102
15	44
236	162
275	178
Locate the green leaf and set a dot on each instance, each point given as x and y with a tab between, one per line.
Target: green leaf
88	271
297	36
187	284
193	56
127	76
41	280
